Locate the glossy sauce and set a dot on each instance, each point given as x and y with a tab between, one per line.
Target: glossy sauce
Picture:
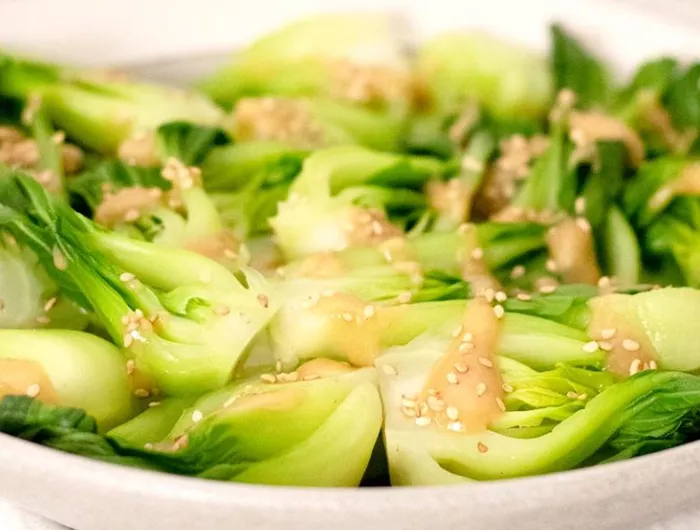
17	376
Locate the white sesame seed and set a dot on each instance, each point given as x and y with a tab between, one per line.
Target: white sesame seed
408	402
590	347
583	224
221	310
489	294
268	378
464	228
128	340
404	298
59	260
501	404
409	411
608	333
33	390
482	447
653	365
455	426
635	366
369	312
467	337
452	378
348	317
572	395
464	347
50	303
517	272
499	311
452	413
523	297
423	421
197	416
130	366
485	362
501	296
605	345
457	332
126	277
435	404
477	253
389	369
580	205
630	345
583	397
548	289
461	368
481	389
153	404
604	281
551	265
141	392
507	388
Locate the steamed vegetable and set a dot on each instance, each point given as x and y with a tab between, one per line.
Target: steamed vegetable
368	266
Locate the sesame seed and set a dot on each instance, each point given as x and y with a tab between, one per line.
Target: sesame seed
141	392
489	294
551	265
369	312
635	366
580	205
630	345
464	347
347	317
126	277
197	416
404	298
455	426
583	224
153	404
507	388
499	311
477	253
583	397
221	310
452	378
590	347
48	306
467	337
517	272
435	404
128	340
432	392
482	448
524	297
481	389
605	345
572	395
452	413
457	332
263	300
608	333
461	368
485	362
604	281
501	404
464	228
389	369
653	365
408	402
230	253
548	289
268	378
423	421
33	390
409	411
501	296
59	260
130	366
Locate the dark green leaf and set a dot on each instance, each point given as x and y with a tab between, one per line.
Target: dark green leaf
187	142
